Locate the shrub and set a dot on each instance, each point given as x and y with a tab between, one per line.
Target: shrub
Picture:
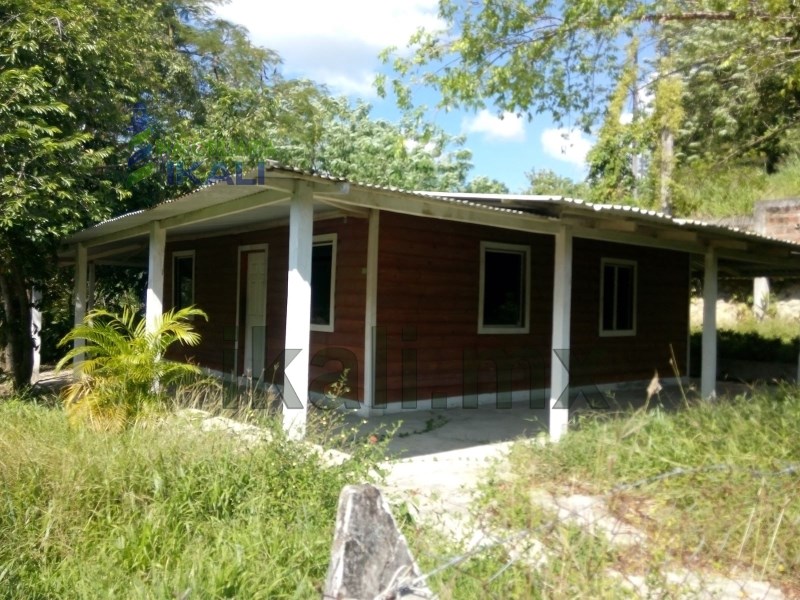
123	375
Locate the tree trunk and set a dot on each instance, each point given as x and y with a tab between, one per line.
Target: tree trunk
665	171
19	341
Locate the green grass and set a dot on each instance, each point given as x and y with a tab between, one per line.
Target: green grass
770	340
159	512
723	190
712	192
724	507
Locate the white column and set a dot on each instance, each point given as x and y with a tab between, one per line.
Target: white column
562	300
80	297
708	376
760	297
298	311
90	288
760	284
154	306
371	311
36	333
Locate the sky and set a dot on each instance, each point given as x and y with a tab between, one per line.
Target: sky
337	43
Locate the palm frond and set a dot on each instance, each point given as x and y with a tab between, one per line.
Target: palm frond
121	368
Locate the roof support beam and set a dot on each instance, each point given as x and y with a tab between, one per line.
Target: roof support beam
638	239
371	310
463	212
708	376
81	274
689	237
298	311
154	305
347	209
558	410
237	205
628	226
128	248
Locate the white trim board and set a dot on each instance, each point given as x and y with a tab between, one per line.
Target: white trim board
500	247
324	240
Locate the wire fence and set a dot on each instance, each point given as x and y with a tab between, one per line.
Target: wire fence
625	544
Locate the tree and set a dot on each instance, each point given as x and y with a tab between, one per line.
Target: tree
485	185
611	160
68	73
545	182
299	123
736	63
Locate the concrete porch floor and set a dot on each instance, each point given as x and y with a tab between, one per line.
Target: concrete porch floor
425	432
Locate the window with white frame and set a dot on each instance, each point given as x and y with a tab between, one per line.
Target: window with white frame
182	279
618	297
323	282
504	288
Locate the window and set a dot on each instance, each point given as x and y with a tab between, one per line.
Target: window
618	301
323	282
504	288
182	279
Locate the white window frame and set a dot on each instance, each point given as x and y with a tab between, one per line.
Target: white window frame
525	250
332	240
619	262
175	256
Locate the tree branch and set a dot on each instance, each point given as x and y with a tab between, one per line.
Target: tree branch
727	15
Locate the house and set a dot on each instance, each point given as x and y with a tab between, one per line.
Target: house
430	299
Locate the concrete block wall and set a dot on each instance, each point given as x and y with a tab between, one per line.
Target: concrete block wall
778	218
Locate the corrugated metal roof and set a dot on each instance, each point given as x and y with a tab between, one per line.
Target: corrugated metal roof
511	204
540	201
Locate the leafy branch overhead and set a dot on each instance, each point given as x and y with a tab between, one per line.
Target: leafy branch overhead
737	62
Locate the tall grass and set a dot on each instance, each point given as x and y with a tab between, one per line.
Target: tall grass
160	512
723	190
715	485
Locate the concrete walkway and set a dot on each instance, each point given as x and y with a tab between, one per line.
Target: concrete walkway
430	432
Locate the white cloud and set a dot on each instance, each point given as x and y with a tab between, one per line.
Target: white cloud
335	43
508	127
568	145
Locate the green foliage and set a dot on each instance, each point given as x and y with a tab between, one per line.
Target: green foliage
122	374
546	182
713	191
299	124
69	73
519	56
740	88
162	512
724	76
712	478
485	185
611	175
576	563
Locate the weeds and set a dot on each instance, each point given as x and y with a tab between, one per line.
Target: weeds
713	486
156	512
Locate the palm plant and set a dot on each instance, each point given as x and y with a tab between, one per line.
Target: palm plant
123	375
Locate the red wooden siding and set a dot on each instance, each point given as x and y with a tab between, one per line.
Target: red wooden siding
216	293
428	295
428	345
662	315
